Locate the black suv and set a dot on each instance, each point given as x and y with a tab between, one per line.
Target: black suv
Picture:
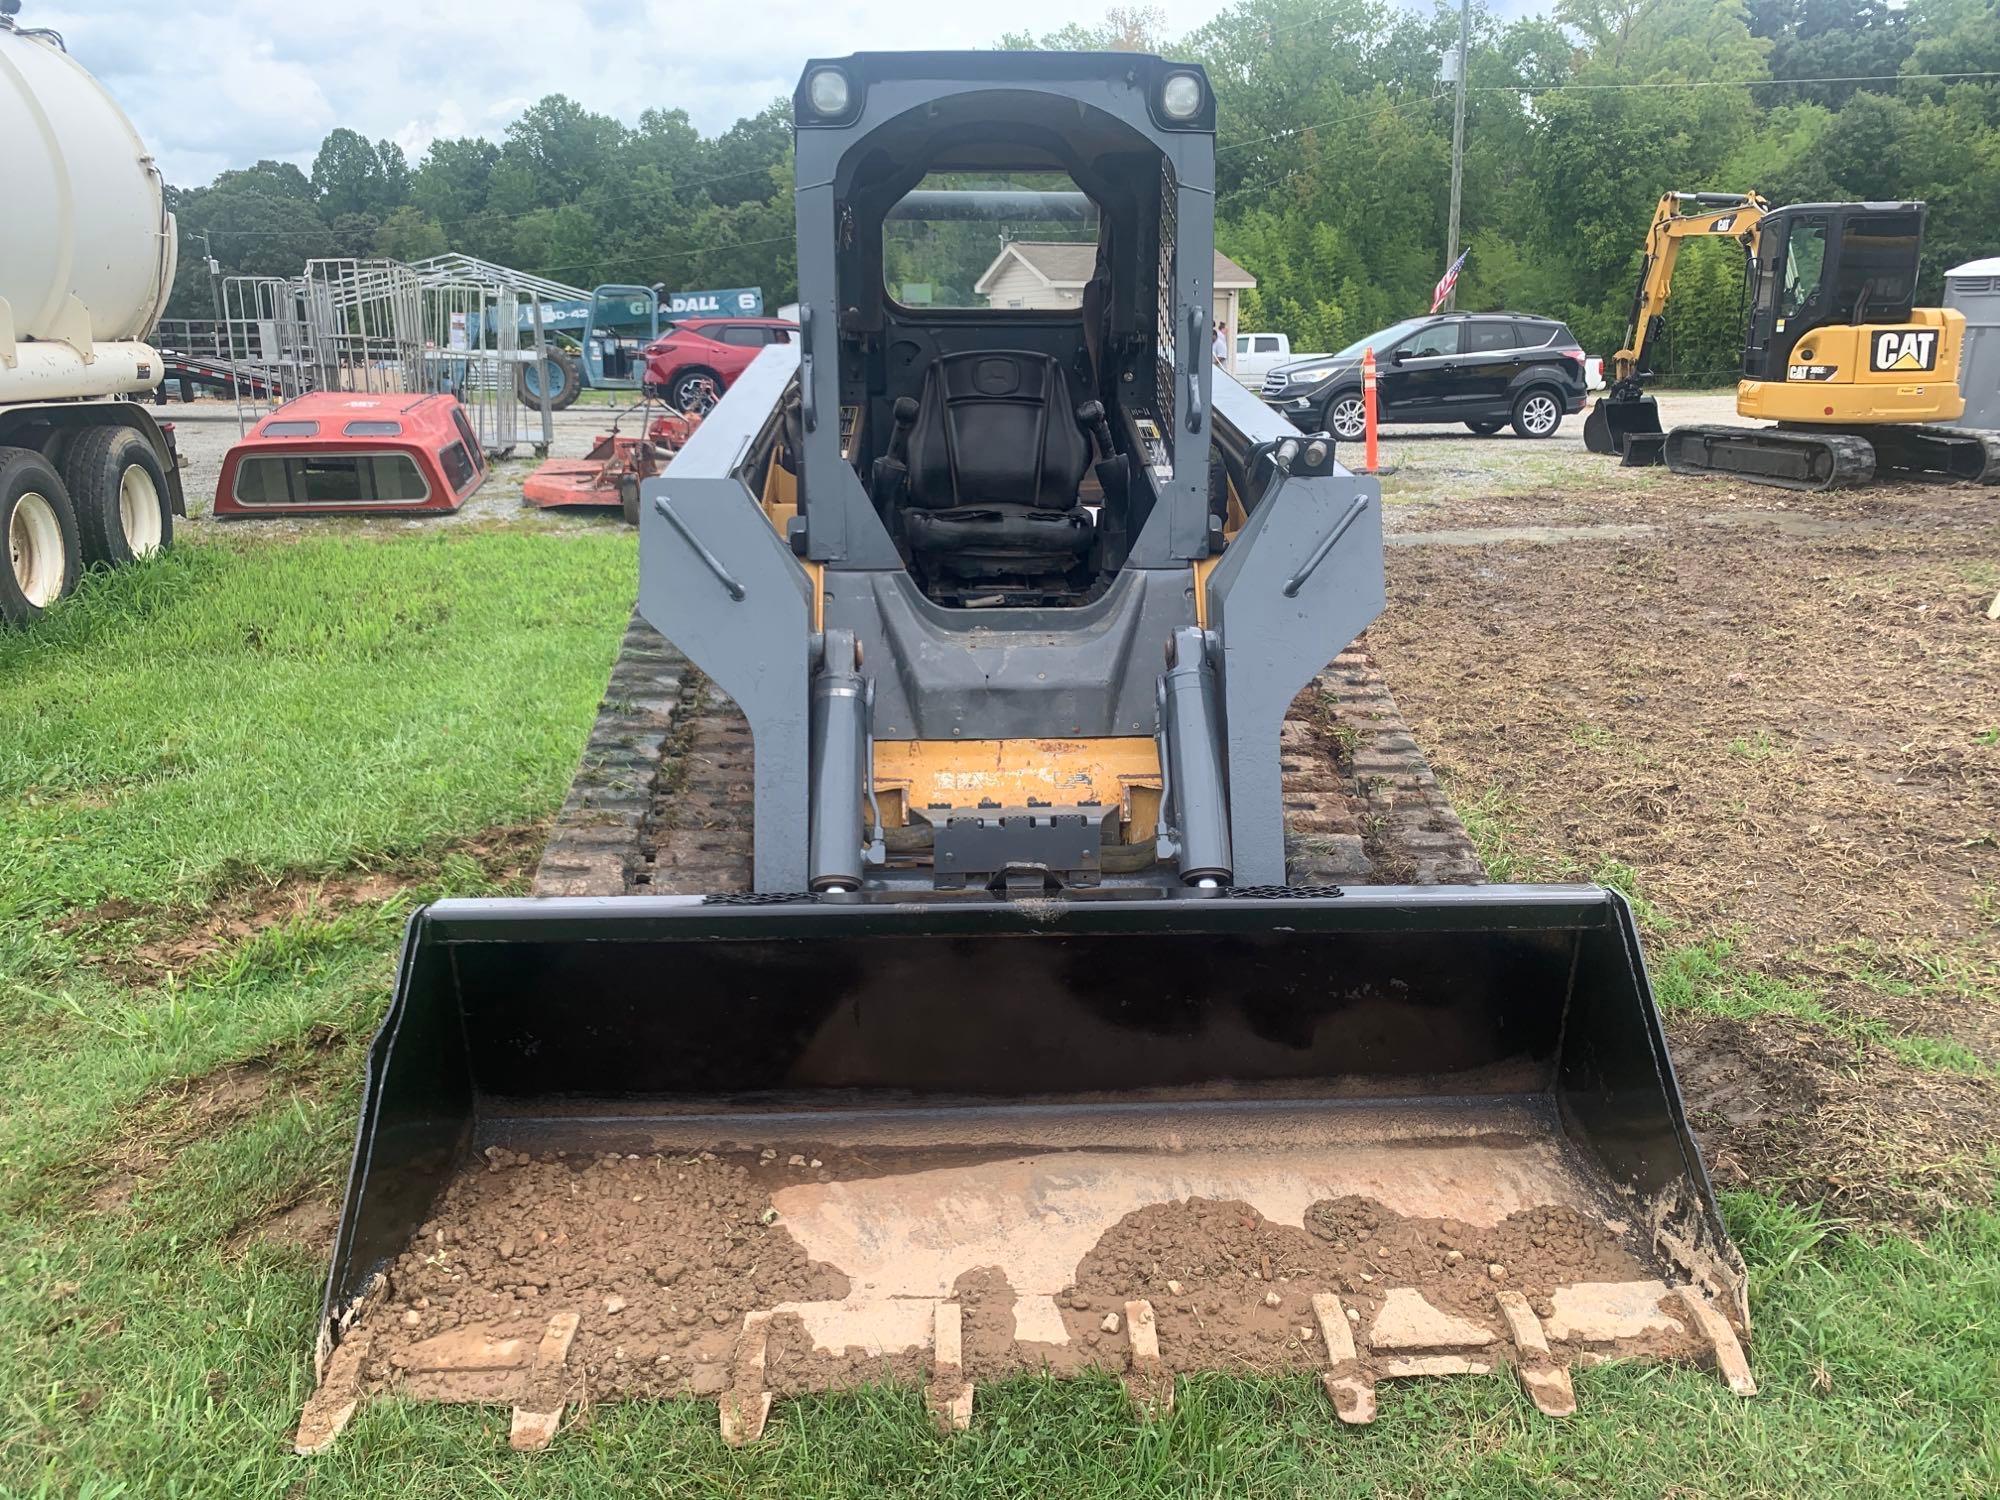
1482	369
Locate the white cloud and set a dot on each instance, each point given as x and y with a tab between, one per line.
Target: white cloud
226	82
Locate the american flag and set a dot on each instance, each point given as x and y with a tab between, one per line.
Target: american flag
1447	281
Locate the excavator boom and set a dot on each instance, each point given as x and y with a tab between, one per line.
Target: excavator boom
1626	421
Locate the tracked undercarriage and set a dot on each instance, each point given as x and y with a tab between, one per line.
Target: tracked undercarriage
661	803
1798	457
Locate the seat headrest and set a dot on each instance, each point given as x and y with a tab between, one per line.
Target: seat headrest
996	426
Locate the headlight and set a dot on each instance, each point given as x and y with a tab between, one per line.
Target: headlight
828	92
1309	377
1180	96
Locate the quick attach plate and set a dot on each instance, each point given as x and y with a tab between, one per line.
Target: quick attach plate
1041	844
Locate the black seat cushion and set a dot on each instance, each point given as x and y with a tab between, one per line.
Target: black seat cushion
996	428
993	540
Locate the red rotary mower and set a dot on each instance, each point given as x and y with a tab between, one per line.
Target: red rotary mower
610	474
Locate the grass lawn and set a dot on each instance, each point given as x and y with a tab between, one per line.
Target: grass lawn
226	777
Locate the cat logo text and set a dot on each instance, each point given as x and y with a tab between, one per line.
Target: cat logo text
1904	349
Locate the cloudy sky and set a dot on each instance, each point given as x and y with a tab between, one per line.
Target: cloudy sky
223	82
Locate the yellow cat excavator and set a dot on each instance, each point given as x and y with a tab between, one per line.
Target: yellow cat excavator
1835	353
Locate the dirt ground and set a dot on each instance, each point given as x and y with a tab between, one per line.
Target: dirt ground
141	945
1781	713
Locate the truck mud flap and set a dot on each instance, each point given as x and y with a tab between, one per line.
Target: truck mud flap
759	1145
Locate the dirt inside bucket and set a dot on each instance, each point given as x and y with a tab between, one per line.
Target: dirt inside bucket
660	1256
1233	1290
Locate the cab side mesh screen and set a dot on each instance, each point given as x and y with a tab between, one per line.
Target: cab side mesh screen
1163	312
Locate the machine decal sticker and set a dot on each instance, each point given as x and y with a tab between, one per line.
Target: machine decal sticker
1904	349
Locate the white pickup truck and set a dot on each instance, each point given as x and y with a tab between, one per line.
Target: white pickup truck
1259	353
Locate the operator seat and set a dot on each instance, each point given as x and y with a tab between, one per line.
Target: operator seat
996	457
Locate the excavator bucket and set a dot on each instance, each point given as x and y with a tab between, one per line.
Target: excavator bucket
1629	427
753	1146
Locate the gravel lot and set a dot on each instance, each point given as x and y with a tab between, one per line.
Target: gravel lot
1429	463
1425	466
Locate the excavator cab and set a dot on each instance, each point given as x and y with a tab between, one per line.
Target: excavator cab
1020	1032
1823	268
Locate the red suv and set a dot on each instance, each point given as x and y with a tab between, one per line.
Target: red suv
697	359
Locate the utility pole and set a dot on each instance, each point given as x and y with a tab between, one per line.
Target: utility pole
214	287
1457	147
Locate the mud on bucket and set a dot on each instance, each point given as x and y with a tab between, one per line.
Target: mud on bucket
1440	1122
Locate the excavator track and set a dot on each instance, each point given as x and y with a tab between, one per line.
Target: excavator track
1788	459
1807	458
662	802
1943	455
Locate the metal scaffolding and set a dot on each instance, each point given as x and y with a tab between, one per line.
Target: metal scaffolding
450	325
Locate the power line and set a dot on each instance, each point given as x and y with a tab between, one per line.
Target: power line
1387	109
1285	135
1722	83
1557	88
1532	90
632	260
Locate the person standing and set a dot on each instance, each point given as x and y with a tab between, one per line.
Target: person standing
1221	347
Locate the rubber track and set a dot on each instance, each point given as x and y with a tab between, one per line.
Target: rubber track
1361	803
1853	457
1986	443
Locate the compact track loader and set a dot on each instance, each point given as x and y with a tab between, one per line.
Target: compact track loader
1015	1031
1856	378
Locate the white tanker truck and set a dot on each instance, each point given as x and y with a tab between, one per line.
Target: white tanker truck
87	254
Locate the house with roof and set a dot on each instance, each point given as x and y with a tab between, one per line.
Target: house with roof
1051	273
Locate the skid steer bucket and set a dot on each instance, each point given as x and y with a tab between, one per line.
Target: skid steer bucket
1629	427
758	1145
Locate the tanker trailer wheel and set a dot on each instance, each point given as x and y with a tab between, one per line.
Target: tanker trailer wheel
119	491
44	556
564	376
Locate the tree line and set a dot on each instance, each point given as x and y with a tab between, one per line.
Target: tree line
1333	155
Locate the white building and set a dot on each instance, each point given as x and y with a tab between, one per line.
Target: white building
1051	273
